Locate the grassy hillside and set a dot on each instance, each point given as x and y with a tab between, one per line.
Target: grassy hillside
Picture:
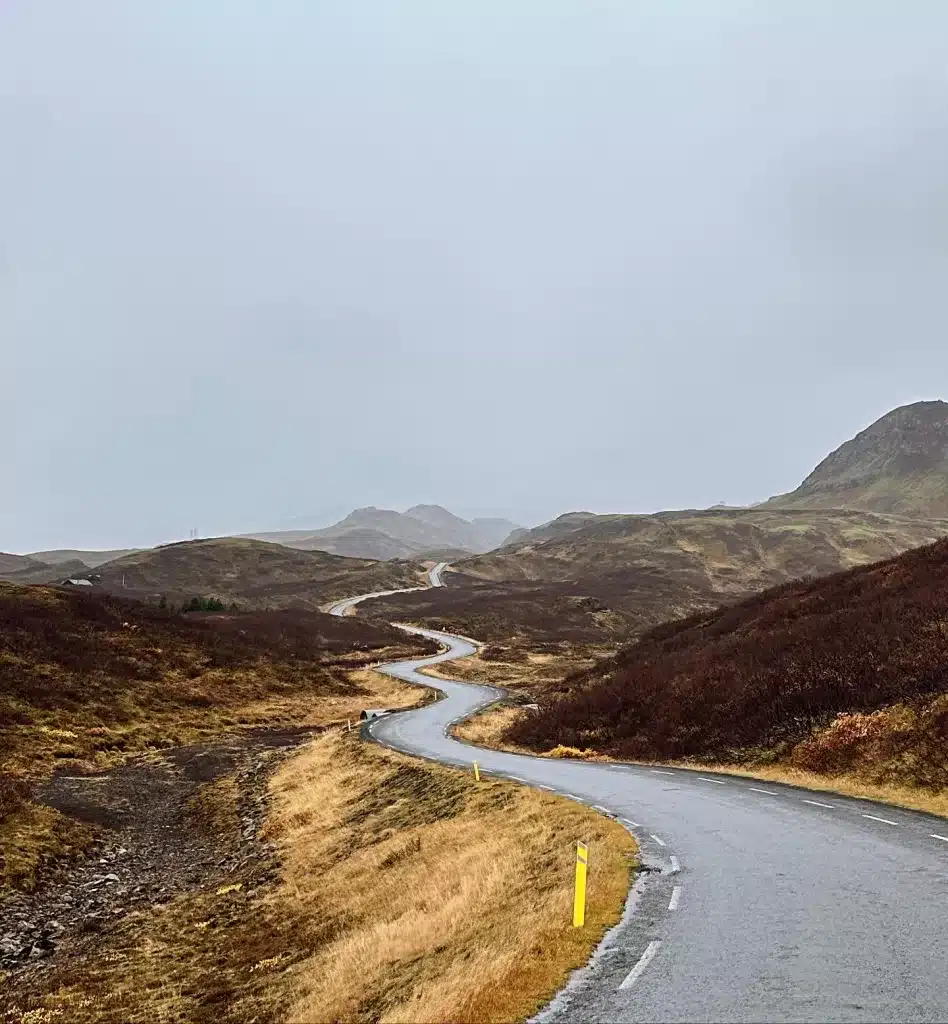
252	573
86	680
18	563
899	465
122	675
731	551
845	674
586	579
37	572
91	559
540	615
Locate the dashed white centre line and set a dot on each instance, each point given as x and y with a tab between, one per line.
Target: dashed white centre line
717	782
885	821
676	896
816	803
754	789
633	976
661	842
676	867
944	839
655	771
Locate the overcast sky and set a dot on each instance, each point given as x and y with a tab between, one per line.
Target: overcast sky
262	260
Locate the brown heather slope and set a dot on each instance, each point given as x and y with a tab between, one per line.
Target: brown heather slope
252	573
845	675
898	464
87	680
606	579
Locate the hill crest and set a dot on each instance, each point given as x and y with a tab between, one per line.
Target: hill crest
898	464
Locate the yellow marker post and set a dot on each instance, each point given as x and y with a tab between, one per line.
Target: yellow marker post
477	773
579	896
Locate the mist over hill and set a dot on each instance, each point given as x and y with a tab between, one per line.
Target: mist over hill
384	533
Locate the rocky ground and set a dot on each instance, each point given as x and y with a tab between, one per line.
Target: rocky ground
185	820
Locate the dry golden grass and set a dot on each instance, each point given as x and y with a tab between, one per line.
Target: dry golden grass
847	785
34	837
406	892
439	899
532	671
487	728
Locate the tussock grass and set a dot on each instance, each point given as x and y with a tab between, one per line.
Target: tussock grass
439	899
405	892
488	727
519	669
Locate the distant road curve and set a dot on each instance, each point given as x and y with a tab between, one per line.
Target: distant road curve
434	580
764	903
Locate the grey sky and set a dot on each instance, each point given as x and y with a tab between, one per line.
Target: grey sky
513	257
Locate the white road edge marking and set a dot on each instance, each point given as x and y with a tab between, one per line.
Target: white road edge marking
816	803
631	824
633	976
661	842
676	867
717	782
676	896
572	796
944	839
886	821
655	771
603	810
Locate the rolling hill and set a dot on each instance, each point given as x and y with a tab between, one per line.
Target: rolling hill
383	533
18	563
602	579
898	465
90	559
27	569
252	573
732	551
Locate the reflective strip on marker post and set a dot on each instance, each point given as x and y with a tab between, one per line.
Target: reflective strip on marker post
579	896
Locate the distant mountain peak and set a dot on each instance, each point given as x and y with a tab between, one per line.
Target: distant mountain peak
899	464
437	515
372	532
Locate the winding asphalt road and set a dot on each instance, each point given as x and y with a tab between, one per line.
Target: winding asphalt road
760	902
